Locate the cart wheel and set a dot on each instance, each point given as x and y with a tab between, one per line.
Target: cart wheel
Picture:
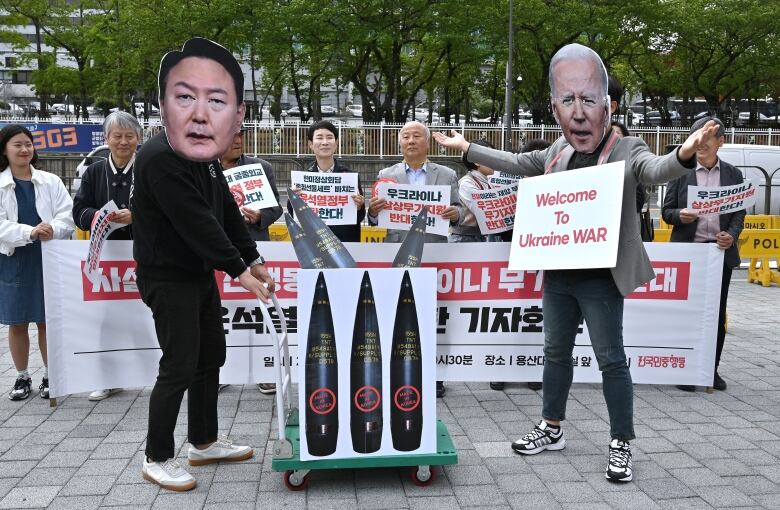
422	476
294	482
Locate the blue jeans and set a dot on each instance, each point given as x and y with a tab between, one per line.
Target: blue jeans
592	294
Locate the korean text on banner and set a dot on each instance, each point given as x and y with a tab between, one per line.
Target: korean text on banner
489	319
709	201
405	201
495	211
329	195
568	220
102	226
250	187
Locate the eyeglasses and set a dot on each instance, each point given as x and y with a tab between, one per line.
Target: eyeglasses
127	137
587	102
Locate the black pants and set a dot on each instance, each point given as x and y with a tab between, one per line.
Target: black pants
188	322
724	296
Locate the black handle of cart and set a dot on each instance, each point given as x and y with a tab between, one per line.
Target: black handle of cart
286	451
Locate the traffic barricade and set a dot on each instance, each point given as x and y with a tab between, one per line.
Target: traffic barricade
761	246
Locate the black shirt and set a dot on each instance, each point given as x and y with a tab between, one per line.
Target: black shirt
185	221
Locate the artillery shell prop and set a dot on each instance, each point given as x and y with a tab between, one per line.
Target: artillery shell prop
308	255
325	242
411	249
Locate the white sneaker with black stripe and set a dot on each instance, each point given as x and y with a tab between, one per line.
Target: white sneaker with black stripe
542	437
619	468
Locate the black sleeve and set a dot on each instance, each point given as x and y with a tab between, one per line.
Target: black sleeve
641	197
191	216
270	215
671	208
84	203
361	214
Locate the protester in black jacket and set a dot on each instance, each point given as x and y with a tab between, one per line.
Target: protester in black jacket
323	142
110	179
256	221
186	224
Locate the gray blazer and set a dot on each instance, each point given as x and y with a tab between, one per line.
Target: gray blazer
633	265
435	174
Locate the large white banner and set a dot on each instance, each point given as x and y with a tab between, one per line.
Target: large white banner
489	318
568	220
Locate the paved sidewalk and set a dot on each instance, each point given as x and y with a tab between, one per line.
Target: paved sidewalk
699	450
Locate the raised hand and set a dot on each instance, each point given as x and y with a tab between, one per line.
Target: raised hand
708	133
456	141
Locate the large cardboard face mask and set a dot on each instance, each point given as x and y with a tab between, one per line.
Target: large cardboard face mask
200	109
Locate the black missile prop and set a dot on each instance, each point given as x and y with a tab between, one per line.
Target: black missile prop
308	258
319	234
322	377
410	252
366	374
406	412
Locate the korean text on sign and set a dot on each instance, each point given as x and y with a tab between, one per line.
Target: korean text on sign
329	195
405	201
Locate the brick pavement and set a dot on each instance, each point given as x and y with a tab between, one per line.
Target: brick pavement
692	451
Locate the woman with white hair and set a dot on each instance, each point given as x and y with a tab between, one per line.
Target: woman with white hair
107	180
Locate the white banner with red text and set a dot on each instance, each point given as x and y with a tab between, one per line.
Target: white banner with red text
405	201
489	319
328	194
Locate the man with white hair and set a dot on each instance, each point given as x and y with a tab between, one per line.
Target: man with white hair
580	103
414	140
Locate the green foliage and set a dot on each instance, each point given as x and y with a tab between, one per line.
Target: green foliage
392	52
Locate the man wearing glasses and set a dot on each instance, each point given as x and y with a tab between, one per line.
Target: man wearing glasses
580	104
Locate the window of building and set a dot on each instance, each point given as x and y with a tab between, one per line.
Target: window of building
10	62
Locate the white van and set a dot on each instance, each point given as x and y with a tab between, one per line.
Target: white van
749	158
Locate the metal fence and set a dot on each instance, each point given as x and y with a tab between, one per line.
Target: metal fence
380	140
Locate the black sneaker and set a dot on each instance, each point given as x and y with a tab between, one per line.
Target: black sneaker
718	383
541	438
22	388
536	386
619	467
497	386
43	389
440	389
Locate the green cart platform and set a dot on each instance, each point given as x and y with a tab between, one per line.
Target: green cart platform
287	449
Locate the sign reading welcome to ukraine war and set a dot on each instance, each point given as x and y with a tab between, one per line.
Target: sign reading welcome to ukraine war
568	220
405	201
328	194
489	318
64	137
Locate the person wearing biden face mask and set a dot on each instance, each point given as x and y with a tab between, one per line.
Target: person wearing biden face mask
580	104
186	225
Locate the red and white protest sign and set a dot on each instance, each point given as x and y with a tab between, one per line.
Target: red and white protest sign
495	208
489	318
250	187
568	220
405	201
102	227
329	195
709	201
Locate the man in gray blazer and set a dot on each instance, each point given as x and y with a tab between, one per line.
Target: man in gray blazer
723	230
414	140
580	103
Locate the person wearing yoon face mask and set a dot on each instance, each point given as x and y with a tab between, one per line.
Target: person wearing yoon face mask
186	225
580	104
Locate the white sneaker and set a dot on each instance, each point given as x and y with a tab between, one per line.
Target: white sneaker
222	450
103	394
168	475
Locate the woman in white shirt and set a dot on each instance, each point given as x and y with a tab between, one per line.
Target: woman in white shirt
34	207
